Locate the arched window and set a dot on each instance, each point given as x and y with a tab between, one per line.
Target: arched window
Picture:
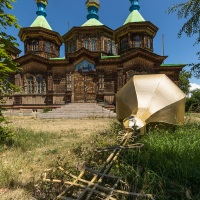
34	84
40	84
109	46
48	47
34	45
86	43
30	85
137	41
93	45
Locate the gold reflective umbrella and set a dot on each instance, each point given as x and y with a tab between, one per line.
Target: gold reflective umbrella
150	98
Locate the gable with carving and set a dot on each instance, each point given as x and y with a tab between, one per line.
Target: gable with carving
85	66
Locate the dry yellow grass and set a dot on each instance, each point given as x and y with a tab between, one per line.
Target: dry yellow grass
85	126
25	167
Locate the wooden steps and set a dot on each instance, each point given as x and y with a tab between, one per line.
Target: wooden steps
72	110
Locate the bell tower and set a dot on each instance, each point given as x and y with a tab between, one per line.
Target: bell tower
136	32
39	38
91	35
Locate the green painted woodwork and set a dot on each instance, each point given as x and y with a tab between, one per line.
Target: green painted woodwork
57	58
92	22
41	21
134	16
105	57
172	65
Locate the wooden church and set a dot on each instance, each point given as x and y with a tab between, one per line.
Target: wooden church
98	60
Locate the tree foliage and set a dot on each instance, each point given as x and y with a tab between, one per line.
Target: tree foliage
193	103
190	11
184	82
7	66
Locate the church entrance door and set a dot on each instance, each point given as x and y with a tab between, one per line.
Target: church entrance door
84	88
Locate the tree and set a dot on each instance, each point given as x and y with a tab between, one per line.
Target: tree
189	10
184	82
7	66
193	103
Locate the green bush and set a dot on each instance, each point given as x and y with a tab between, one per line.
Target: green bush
193	103
45	110
6	133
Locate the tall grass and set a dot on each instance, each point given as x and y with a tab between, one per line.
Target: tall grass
19	153
168	165
27	140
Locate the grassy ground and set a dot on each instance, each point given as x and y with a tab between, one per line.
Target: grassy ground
168	165
37	146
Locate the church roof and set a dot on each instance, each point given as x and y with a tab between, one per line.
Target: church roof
41	21
134	16
92	22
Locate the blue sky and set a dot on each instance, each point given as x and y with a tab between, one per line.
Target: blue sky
61	13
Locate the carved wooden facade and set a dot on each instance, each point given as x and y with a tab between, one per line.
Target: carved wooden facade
98	62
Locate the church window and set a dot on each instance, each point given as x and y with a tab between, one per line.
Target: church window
34	45
72	46
30	85
109	46
101	82
93	45
124	43
48	47
34	84
40	85
137	41
86	43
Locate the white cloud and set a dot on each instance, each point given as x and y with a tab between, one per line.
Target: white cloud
194	86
